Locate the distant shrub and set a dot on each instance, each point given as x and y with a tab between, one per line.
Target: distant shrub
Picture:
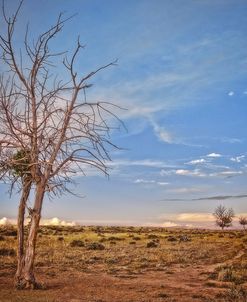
11	233
132	242
152	244
184	238
60	238
95	246
226	274
162	295
244	240
111	261
7	252
152	236
210	284
77	243
2	238
171	238
243	222
136	238
103	240
114	238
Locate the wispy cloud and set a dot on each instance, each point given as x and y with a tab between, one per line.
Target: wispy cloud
162	134
231	140
201	173
186	190
238	159
227	174
144	162
196	173
162	183
216	197
223	197
146	181
143	181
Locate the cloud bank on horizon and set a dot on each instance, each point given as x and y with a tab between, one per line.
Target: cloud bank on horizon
52	221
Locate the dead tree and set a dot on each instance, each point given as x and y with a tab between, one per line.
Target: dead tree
223	216
51	123
243	222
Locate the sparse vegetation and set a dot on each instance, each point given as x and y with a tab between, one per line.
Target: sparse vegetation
78	243
95	246
204	265
236	294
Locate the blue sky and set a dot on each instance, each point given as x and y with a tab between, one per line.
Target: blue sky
182	75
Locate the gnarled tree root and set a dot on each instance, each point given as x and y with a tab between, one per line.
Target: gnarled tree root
21	284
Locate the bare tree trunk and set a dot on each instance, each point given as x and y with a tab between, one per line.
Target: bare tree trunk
20	229
27	278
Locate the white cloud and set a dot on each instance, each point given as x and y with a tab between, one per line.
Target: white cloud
56	221
182	172
5	221
231	93
197	161
214	155
237	159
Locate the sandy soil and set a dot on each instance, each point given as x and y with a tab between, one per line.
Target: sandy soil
132	273
174	284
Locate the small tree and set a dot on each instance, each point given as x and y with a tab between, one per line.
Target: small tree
243	221
49	130
223	216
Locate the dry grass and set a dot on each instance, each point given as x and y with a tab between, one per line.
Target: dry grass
209	258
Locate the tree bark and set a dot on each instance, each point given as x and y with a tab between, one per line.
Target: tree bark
27	279
20	228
